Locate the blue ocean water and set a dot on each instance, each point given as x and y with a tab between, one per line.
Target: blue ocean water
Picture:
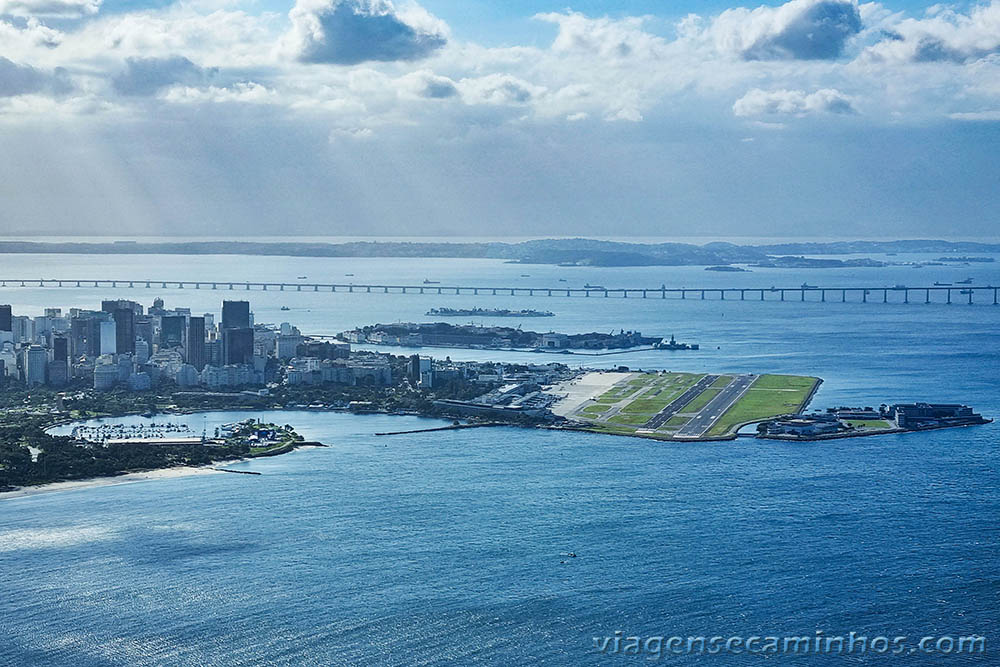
451	547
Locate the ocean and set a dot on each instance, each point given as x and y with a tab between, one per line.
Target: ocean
455	547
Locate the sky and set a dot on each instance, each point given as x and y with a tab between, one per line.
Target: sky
239	118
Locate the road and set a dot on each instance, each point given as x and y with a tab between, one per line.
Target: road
703	421
675	406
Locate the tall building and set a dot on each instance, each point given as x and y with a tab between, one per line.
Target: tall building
6	323
58	367
36	358
235	314
213	353
171	331
196	342
111	305
107	338
142	351
144	328
60	348
125	330
237	346
94	333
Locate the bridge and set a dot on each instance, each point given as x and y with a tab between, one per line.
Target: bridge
898	294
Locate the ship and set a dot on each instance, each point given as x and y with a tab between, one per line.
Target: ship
428	281
589	286
967	281
302	277
285	308
965	291
936	284
898	286
672	344
806	286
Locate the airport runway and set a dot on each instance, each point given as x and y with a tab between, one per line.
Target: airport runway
675	406
715	408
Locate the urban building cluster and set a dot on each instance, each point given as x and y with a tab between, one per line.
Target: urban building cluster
124	345
849	420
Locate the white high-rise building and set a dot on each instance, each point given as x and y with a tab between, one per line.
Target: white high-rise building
108	338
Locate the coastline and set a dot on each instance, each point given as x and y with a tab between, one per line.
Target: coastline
127	478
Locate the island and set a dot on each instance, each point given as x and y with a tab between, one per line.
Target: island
487	312
472	336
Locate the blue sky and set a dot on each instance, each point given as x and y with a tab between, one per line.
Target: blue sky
353	117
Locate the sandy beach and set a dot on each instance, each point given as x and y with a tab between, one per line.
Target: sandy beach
77	484
580	390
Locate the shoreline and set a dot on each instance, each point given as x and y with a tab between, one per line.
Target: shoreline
114	480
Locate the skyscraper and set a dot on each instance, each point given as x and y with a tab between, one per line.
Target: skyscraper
237	345
125	330
171	331
60	348
107	338
58	368
36	358
6	324
196	342
235	314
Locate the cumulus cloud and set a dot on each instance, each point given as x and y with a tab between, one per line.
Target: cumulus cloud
759	102
18	79
943	36
426	84
50	8
32	36
146	76
796	30
604	37
498	89
348	32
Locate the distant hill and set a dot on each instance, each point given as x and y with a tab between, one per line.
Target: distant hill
577	252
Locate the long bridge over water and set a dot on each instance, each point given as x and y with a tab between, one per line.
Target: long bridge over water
897	294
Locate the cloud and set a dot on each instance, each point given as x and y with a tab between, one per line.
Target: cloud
50	8
146	76
32	36
348	32
498	89
604	37
426	84
18	79
796	30
943	36
981	116
244	92
759	102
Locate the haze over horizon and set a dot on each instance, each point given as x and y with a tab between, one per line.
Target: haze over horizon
361	118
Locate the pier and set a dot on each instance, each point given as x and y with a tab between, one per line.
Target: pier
969	294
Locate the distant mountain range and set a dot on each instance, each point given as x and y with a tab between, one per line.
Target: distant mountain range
576	252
